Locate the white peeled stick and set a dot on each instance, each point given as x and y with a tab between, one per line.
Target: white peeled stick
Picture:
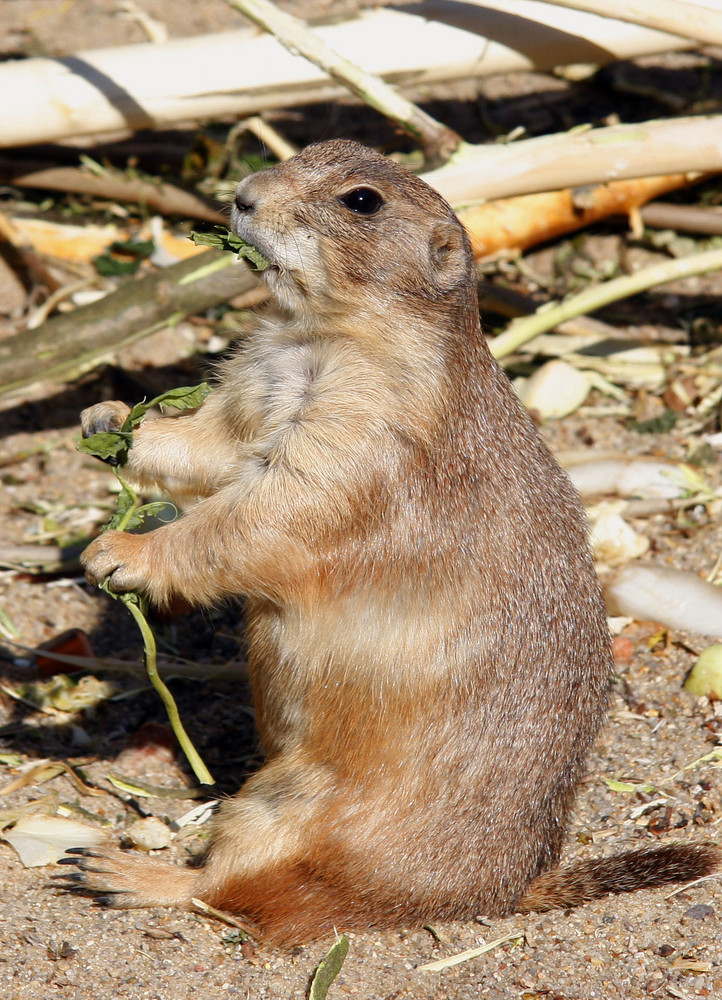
671	597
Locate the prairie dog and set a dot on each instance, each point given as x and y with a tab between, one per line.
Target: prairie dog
427	643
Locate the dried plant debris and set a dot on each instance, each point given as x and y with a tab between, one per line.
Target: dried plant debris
149	834
43	840
672	597
470	953
62	693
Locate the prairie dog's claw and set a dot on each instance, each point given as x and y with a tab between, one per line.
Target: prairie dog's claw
117	555
125	879
103	417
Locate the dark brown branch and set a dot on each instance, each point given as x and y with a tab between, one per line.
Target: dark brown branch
68	345
167	199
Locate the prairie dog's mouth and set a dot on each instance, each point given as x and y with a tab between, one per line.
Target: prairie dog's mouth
251	253
256	252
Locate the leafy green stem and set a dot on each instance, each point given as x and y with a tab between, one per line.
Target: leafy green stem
113	446
132	603
133	503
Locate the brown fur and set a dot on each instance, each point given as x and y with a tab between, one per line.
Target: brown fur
428	646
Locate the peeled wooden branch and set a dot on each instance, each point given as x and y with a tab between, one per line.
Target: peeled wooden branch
504	224
572	159
81	244
240	73
522	222
53	350
702	22
481	173
682	218
75	342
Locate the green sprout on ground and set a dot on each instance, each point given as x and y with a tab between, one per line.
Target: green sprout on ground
113	446
328	969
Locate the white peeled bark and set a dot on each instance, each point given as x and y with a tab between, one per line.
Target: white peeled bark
572	159
673	597
241	73
698	19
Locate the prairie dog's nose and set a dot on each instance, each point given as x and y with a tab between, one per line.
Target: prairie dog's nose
244	200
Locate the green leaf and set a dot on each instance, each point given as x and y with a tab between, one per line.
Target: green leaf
129	514
116	444
186	397
619	786
133	248
657	425
126	501
111	267
107	444
714	755
706	675
627	786
328	969
131	788
219	241
123	257
226	240
149	510
135	416
11	759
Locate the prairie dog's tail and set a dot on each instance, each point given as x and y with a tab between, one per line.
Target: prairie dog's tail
647	868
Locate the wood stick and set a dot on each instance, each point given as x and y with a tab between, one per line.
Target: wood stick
579	157
518	223
683	218
480	173
521	331
167	199
437	140
67	345
151	86
701	22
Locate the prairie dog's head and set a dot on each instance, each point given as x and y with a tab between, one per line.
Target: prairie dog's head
346	229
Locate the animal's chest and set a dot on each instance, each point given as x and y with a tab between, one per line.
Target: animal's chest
278	386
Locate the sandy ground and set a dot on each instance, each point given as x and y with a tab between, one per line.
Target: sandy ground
55	944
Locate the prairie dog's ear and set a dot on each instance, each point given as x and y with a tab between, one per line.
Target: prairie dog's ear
448	254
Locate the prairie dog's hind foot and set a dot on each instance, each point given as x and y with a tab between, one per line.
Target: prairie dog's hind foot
126	880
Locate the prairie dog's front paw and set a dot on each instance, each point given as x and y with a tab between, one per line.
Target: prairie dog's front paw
103	417
120	556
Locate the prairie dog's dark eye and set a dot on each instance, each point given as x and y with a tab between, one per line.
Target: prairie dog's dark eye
363	201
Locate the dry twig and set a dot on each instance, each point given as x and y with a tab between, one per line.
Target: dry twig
437	140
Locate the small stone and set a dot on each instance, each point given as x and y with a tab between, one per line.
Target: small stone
622	650
554	390
699	911
149	834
